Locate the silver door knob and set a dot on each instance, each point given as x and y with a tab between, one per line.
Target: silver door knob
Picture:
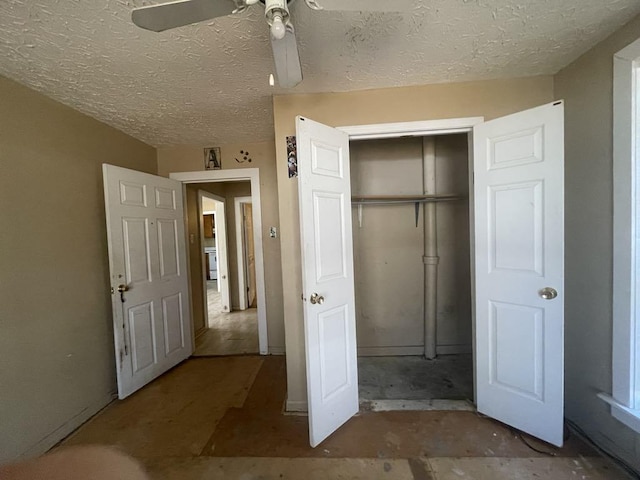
548	293
316	299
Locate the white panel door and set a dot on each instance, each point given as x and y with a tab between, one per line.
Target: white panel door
519	269
148	272
327	261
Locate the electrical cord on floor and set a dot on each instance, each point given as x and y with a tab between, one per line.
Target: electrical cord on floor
570	426
602	451
521	435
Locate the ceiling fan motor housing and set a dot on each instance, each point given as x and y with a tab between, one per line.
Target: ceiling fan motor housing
276	7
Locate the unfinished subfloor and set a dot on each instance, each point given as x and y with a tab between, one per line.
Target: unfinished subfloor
222	418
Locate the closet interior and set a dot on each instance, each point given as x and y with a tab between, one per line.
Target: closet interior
411	242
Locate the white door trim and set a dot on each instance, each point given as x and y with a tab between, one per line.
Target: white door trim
240	249
252	175
414	129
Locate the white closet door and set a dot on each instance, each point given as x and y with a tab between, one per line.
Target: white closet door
519	278
329	298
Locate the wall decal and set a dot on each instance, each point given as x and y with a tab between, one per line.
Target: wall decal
244	157
212	159
292	156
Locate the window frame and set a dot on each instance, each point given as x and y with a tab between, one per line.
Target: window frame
625	396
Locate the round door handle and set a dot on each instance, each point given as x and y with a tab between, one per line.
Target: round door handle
316	299
123	288
548	293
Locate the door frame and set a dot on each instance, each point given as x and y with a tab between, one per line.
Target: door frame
426	128
253	176
240	249
419	128
223	201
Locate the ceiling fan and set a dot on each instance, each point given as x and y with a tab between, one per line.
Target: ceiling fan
178	13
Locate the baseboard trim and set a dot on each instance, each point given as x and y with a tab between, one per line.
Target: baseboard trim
390	351
276	351
297	406
412	350
453	349
67	428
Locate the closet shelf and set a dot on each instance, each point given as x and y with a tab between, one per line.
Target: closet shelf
401	199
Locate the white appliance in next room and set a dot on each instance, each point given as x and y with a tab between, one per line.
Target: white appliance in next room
213	262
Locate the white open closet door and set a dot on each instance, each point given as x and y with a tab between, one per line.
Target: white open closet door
519	269
328	287
148	271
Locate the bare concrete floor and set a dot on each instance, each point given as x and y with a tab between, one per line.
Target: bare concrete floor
232	333
447	377
222	418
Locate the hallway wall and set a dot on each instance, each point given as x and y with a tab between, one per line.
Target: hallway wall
228	190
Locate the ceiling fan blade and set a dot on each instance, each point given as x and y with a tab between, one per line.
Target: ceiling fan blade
363	5
286	59
164	16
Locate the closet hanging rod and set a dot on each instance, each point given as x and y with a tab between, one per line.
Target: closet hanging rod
402	199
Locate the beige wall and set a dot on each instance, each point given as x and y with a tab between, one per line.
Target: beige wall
388	247
58	364
191	158
195	260
453	240
487	98
587	87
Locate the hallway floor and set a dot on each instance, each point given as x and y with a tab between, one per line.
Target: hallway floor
222	418
233	333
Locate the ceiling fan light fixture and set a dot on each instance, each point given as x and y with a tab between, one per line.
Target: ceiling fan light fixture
278	29
277	15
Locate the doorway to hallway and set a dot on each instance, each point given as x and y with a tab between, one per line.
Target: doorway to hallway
223	324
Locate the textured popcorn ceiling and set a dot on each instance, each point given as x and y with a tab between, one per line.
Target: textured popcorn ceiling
208	83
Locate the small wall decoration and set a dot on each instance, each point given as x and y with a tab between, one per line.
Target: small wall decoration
212	159
292	156
244	157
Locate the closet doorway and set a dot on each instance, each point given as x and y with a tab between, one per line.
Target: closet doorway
517	264
414	324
